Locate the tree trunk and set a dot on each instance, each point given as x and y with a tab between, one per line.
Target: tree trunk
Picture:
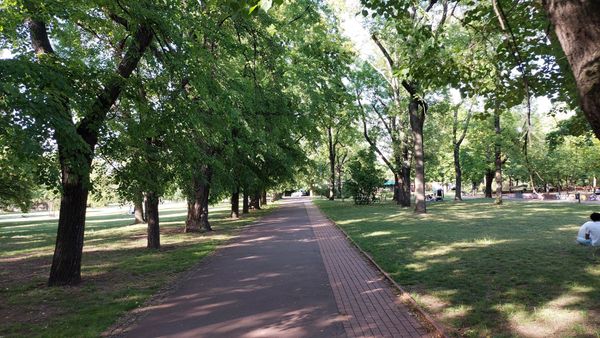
458	174
404	183
235	203
66	262
339	181
204	214
245	204
197	219
153	221
577	26
263	197
489	177
396	188
456	143
138	211
255	201
331	147
417	119
498	157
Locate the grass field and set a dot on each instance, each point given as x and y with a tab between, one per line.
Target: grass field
486	270
118	272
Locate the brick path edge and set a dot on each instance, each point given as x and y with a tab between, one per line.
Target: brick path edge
438	330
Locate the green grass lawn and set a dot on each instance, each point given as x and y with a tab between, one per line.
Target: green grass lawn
118	272
486	270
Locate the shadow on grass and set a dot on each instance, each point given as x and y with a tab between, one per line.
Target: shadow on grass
485	269
118	272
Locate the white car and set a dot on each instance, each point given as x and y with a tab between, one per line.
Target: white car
297	194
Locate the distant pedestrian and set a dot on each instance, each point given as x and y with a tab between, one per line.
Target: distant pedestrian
589	233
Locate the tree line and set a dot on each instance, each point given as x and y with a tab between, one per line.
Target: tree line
217	99
210	99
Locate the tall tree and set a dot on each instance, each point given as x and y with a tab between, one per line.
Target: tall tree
577	27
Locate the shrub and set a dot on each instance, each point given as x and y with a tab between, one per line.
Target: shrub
365	177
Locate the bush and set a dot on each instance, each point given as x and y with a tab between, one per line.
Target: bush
365	177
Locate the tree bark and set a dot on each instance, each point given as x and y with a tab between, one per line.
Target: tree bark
235	203
197	219
396	187
417	119
255	201
489	177
457	173
263	197
338	170
577	26
331	147
245	203
66	262
138	210
204	215
404	192
498	156
153	221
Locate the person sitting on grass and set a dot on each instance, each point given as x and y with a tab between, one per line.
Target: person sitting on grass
589	233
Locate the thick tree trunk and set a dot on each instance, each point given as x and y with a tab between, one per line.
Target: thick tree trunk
138	211
245	203
331	147
66	262
235	203
577	26
498	157
197	219
263	197
255	201
489	177
458	174
153	221
417	119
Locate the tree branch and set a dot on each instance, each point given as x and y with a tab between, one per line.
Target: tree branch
387	127
90	124
368	139
299	16
39	37
386	54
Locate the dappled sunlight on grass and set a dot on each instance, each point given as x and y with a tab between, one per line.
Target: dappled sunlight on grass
118	272
484	269
549	320
377	233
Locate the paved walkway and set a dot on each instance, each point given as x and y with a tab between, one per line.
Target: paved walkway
293	274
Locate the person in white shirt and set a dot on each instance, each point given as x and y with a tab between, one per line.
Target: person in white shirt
589	233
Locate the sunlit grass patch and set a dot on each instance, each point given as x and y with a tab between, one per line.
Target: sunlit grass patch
118	272
482	269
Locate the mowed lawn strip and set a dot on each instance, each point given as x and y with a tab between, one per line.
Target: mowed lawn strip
486	270
118	272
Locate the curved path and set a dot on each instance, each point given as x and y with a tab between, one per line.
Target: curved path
292	274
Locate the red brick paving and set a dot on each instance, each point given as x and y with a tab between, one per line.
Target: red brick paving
360	291
293	274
